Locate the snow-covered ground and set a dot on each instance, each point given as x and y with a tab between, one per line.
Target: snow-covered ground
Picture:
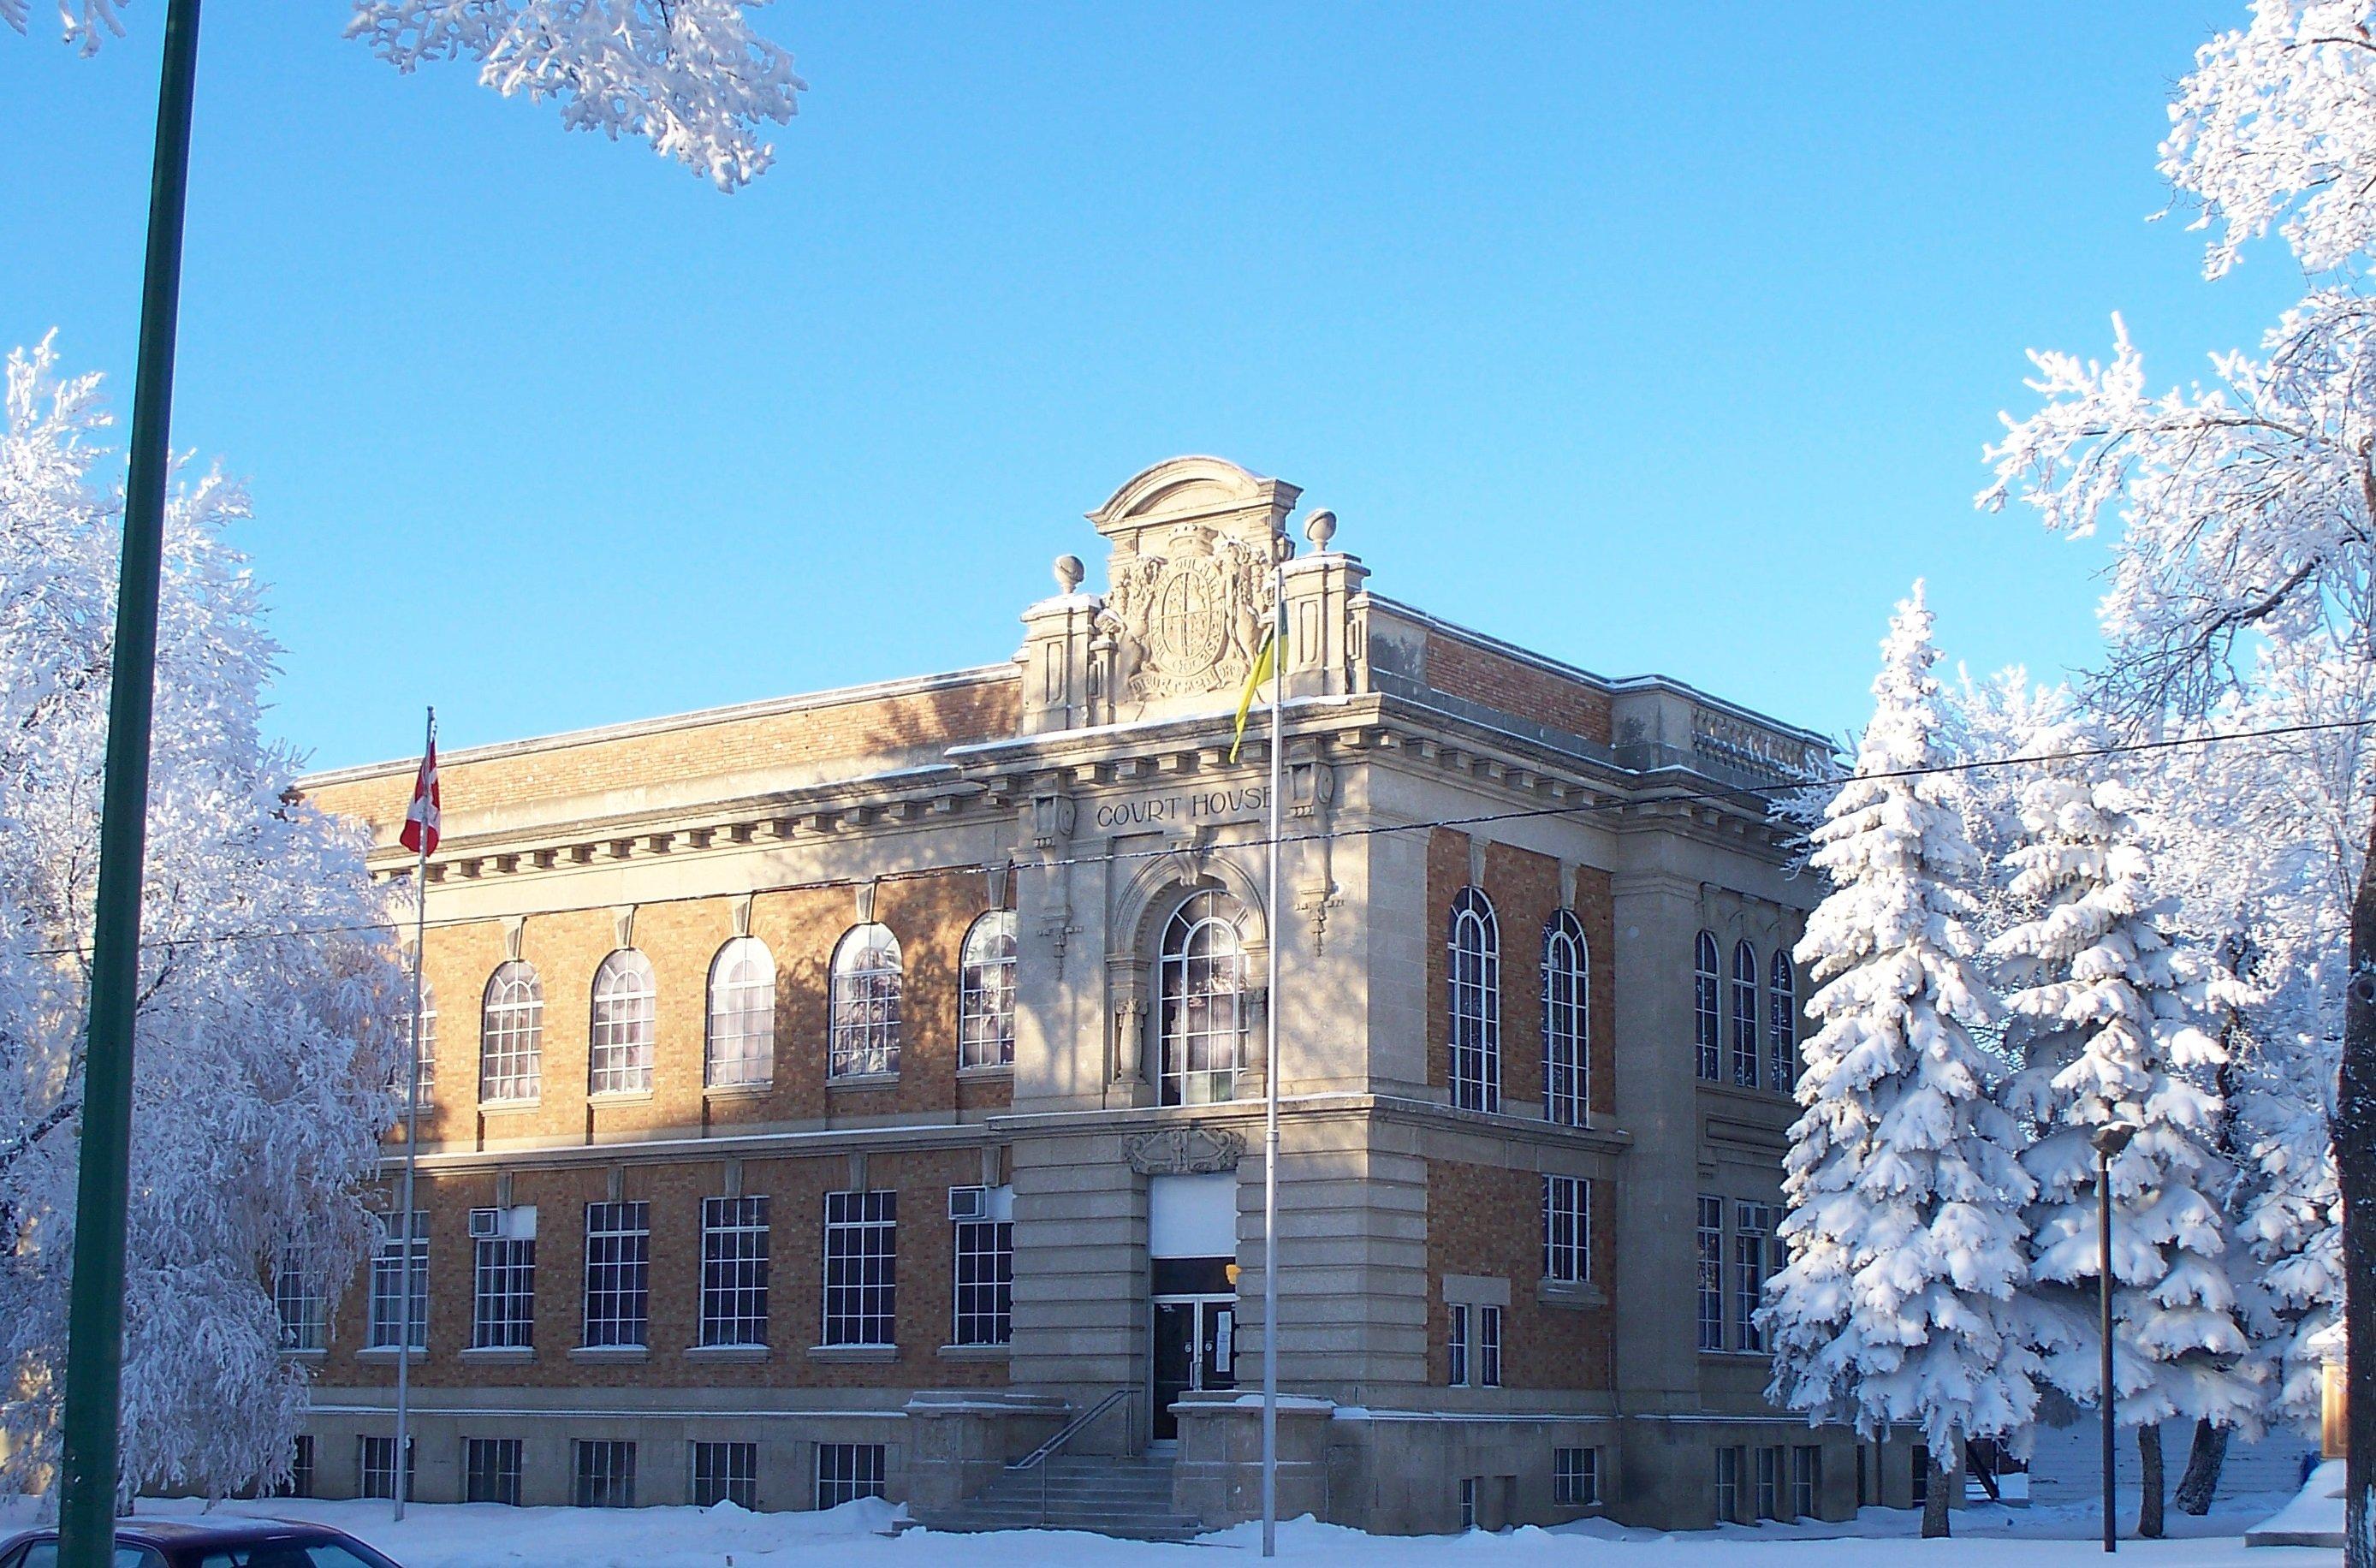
483	1536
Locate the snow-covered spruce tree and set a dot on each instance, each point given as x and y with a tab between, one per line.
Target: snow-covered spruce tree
2249	509
2108	1025
1899	1302
263	1043
694	77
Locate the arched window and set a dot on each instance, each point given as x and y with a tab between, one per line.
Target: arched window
1706	1021
511	1035
1782	1021
865	1003
1567	1030
1203	1019
1745	1015
619	1041
428	1048
742	1036
986	992
1476	977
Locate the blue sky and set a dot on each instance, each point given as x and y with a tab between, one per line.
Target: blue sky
1656	338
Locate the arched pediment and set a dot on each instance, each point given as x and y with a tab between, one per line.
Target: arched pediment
1158	885
1180	488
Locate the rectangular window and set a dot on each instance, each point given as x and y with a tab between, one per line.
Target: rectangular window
491	1470
847	1471
606	1475
734	1271
1806	1473
375	1467
985	1274
298	1296
1456	1345
387	1315
301	1469
1467	1503
1769	1483
1489	1347
1921	1474
503	1278
1711	1237
1575	1476
861	1267
725	1472
618	1273
1727	1485
1567	1229
1751	1222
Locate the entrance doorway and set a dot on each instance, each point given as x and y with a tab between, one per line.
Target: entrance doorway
1196	1347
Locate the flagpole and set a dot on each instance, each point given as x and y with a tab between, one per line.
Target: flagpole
402	1482
1270	1084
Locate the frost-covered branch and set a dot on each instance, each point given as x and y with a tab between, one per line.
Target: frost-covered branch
2275	127
694	77
2247	508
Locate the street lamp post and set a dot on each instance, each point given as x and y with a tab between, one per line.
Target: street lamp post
2109	1140
90	1462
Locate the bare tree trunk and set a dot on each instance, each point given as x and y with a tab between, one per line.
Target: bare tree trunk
1934	1502
2149	1479
2355	1160
2204	1460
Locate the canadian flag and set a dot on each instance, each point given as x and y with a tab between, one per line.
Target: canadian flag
420	821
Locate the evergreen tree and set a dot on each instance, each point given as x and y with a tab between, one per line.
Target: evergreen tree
1900	1301
2107	1029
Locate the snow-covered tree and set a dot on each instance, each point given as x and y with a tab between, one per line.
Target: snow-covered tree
694	77
1899	1302
263	1046
2107	1025
2248	528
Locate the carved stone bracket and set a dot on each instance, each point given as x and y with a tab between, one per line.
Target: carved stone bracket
1183	1151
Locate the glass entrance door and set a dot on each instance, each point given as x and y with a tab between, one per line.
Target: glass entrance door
1196	1347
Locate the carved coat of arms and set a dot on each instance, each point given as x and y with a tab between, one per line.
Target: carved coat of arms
1187	620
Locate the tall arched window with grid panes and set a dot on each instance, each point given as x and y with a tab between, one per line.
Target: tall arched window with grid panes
740	1049
1782	1022
986	992
865	1004
1202	1019
1745	1036
1567	1030
1475	977
621	1025
428	1073
1707	1020
511	1035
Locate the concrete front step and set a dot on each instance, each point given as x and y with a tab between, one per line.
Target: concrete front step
1126	1498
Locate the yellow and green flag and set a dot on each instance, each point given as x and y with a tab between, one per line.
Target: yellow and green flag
1254	678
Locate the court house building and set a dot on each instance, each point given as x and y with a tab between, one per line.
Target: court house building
843	1095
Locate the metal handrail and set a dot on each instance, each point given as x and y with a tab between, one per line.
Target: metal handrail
1038	1458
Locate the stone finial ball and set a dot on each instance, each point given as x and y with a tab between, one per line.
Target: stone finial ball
1320	527
1069	572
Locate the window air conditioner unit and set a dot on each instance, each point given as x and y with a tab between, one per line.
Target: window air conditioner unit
969	1203
486	1223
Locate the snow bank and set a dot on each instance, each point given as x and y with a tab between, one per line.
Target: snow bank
2313	1519
857	1535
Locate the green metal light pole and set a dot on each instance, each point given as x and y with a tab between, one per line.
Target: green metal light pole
95	1309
